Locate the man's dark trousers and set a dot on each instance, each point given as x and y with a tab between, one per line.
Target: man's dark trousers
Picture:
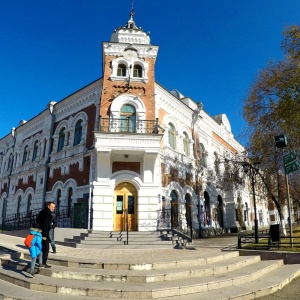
45	249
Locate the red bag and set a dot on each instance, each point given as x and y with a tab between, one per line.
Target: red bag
28	240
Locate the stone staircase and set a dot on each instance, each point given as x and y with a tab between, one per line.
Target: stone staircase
225	275
113	239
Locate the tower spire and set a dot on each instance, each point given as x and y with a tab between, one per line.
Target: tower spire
132	10
131	24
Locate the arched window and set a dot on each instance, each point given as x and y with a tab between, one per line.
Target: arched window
220	211
128	118
35	150
19	205
29	203
61	140
171	130
45	146
207	216
78	133
121	70
188	209
58	196
25	154
217	164
137	71
202	156
186	144
4	207
174	209
70	195
10	162
246	212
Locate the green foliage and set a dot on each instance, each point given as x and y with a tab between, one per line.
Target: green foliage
272	107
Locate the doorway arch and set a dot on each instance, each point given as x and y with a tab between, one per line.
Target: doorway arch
125	204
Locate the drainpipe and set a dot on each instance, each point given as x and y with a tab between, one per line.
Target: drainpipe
13	133
47	169
90	194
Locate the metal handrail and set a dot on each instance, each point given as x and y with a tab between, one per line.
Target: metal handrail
129	125
127	227
167	221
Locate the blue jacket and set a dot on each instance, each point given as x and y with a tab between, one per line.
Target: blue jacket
36	244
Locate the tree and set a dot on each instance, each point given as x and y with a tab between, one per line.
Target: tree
272	107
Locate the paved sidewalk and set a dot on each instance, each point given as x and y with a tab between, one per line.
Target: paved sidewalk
213	245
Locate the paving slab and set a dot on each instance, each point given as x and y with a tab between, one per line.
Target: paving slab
279	277
142	290
188	269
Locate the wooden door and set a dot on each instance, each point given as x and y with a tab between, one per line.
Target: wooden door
125	204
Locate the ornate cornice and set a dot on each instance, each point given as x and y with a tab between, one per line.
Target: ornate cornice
117	49
77	101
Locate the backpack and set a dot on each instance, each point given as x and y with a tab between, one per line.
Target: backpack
28	240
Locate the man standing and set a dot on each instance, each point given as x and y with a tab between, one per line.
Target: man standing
44	219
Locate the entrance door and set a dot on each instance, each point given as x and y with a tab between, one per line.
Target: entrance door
125	203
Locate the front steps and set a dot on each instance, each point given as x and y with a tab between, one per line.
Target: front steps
223	276
136	239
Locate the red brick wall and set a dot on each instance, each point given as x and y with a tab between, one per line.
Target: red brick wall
22	186
145	91
91	114
81	177
124	165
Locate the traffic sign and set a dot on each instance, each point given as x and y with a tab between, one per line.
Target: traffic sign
288	158
291	167
280	141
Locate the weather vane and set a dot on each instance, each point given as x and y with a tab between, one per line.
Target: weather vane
132	10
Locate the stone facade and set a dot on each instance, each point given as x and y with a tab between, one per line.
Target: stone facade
125	144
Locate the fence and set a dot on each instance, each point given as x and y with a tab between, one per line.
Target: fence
171	219
267	240
64	218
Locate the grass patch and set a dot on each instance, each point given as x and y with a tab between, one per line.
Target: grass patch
284	245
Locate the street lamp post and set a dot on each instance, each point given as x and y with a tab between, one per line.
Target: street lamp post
251	171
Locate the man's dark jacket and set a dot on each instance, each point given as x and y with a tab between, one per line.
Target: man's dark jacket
44	220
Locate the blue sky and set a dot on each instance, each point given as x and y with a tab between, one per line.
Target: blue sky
210	51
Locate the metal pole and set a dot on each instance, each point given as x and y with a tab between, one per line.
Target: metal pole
254	200
126	214
199	214
191	222
289	209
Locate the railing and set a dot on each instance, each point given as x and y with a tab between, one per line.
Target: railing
250	238
164	219
19	221
129	125
64	218
171	219
266	241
